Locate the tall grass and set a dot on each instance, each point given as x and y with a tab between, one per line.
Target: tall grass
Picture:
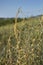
22	43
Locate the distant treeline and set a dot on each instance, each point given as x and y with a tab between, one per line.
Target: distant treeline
5	21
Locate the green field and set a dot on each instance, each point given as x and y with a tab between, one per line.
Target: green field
30	39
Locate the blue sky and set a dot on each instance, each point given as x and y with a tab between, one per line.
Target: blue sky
8	8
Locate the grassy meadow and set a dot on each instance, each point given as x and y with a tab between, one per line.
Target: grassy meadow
22	44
